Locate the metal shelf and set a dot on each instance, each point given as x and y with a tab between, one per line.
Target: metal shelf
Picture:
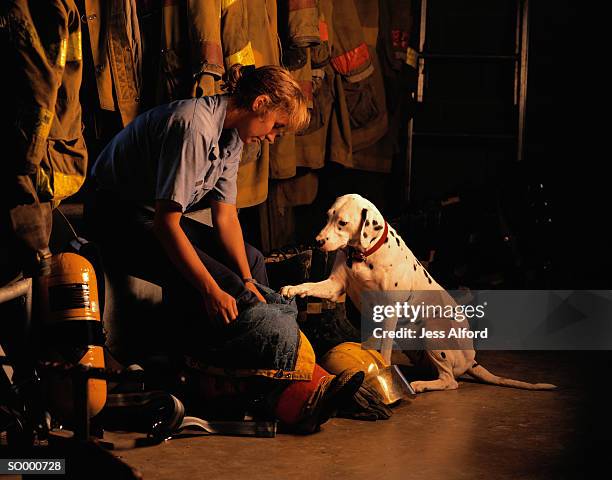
484	136
468	57
520	60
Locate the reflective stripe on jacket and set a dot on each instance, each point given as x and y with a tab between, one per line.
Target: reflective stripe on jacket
40	127
200	38
397	60
41	107
255	164
114	39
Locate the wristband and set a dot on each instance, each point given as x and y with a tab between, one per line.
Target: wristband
248	279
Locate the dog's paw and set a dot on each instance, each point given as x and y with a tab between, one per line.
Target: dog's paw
418	387
286	290
434	385
293	290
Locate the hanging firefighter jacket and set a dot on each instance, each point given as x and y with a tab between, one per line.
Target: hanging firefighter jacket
398	36
116	52
311	145
41	121
348	100
200	38
300	33
298	186
357	96
359	117
347	91
396	64
255	163
298	28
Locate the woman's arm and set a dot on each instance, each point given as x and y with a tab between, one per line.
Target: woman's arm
227	226
166	225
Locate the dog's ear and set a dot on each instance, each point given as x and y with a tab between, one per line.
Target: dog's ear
366	232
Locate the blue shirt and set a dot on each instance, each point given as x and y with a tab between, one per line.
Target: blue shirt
177	152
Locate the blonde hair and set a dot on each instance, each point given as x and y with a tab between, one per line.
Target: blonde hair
245	83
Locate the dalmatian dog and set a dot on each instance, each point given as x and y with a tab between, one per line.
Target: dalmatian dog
372	256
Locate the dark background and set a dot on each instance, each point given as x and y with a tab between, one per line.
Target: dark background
566	150
566	136
538	223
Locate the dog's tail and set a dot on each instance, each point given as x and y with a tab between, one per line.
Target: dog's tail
482	374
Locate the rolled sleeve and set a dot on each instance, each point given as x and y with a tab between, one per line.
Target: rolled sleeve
182	151
225	190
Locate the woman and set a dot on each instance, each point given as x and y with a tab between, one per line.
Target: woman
173	159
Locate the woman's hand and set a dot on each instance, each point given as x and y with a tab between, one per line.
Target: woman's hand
227	226
251	286
220	304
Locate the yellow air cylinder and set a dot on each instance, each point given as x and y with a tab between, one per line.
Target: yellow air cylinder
74	326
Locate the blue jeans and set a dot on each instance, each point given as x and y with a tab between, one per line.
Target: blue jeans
264	336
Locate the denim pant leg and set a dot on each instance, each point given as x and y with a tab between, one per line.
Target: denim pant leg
256	264
202	236
264	336
125	233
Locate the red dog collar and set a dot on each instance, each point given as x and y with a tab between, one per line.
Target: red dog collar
355	255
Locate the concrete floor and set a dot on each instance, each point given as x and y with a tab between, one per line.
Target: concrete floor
477	431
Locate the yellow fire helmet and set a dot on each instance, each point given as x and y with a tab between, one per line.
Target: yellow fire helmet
382	378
